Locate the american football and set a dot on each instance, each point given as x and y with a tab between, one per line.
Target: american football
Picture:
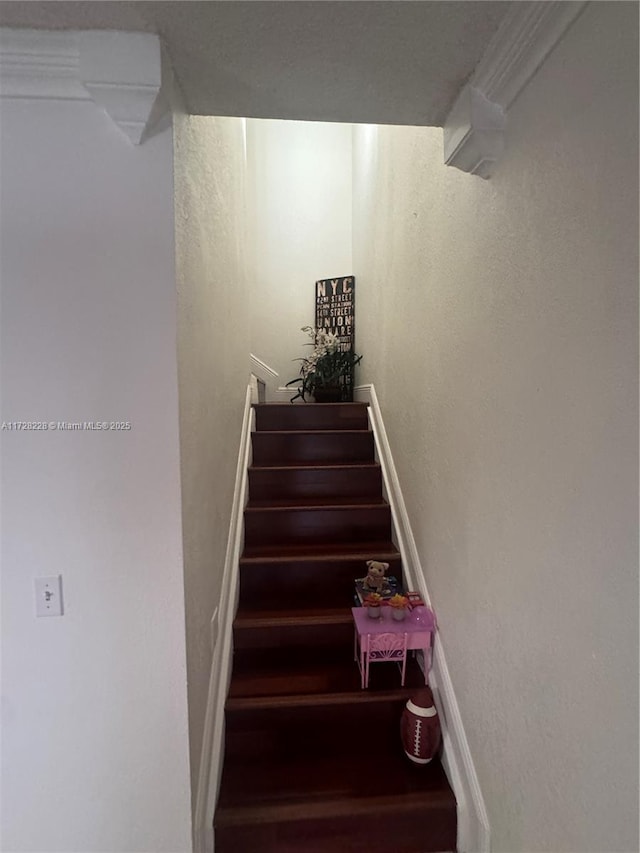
420	728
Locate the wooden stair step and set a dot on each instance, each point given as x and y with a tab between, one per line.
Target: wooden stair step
316	502
307	582
279	675
324	701
246	618
311	447
295	633
316	524
277	725
278	416
334	777
310	482
342	802
320	504
382	549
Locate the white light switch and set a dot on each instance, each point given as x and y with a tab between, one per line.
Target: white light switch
49	596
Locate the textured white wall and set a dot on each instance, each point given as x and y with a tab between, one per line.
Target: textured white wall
299	198
499	324
213	361
94	711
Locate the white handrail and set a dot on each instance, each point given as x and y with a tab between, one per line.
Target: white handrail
220	676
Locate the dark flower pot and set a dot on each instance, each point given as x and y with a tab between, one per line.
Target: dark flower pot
330	394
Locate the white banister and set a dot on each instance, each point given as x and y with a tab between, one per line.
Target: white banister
212	740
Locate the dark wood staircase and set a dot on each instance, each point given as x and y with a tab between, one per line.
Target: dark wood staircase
313	763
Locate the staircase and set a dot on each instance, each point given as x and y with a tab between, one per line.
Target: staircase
312	762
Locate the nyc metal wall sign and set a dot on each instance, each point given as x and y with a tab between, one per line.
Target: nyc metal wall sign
335	312
335	305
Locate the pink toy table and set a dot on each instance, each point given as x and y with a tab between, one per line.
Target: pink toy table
385	639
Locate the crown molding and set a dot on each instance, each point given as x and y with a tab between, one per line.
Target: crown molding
474	133
120	72
474	128
527	35
41	65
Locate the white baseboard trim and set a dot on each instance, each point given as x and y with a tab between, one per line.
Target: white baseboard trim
473	822
221	631
284	395
280	394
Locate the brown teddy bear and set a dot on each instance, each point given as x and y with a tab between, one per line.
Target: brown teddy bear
375	579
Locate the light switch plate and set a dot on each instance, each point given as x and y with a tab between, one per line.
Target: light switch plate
49	596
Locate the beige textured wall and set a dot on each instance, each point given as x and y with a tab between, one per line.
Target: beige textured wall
499	324
213	354
299	195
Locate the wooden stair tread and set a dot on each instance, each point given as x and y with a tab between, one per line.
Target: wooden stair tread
277	618
311	466
315	503
301	464
280	676
329	808
282	405
318	700
339	781
311	432
377	550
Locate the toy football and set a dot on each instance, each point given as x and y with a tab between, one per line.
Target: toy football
420	728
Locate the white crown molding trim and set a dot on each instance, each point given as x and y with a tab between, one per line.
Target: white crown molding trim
474	133
527	35
474	128
474	835
40	65
120	72
123	74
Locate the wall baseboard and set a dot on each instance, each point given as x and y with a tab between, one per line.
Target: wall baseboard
473	821
221	631
284	395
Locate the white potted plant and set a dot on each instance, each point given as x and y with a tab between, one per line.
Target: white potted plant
325	373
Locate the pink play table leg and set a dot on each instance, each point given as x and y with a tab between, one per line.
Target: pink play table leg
404	661
366	662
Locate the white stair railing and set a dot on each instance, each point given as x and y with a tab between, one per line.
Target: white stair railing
213	737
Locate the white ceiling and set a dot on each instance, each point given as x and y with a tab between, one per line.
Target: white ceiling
379	62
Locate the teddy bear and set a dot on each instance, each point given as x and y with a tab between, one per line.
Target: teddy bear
375	579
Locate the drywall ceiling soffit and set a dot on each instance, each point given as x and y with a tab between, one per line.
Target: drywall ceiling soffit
474	128
374	62
120	72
